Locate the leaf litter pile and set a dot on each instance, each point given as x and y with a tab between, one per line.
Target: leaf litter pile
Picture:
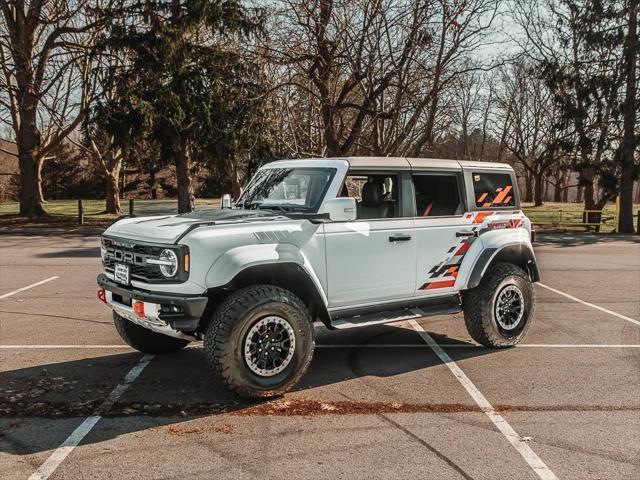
55	397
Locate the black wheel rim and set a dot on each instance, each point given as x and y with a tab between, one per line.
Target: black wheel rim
509	308
269	346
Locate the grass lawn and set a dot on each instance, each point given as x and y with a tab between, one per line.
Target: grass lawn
64	213
565	214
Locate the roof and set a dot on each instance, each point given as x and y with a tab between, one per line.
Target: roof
394	163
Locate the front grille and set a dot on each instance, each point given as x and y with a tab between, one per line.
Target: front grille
136	254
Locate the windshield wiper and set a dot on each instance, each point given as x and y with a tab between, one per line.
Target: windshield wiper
284	207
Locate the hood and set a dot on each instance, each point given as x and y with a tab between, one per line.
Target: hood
169	229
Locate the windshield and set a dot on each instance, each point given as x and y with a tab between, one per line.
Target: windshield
287	189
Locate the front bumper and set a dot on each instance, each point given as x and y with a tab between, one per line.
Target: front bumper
186	319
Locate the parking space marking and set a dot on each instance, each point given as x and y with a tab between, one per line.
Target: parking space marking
347	345
470	345
592	305
72	441
10	294
36	347
538	466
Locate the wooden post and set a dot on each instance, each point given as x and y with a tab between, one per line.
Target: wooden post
638	224
131	207
80	213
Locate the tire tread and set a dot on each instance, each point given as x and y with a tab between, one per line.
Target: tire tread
476	308
144	340
216	346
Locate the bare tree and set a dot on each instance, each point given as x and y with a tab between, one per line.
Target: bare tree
630	136
97	141
471	102
45	84
372	72
531	134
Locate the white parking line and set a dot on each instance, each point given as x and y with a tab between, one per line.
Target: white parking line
28	287
72	441
36	347
538	466
345	345
597	307
471	345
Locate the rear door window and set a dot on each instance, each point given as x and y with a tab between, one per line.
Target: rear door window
437	195
493	190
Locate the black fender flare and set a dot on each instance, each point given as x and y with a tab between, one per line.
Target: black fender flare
287	275
519	254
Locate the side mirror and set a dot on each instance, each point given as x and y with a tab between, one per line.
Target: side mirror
342	209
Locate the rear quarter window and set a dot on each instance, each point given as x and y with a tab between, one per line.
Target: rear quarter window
493	190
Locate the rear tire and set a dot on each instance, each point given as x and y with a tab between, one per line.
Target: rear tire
145	340
259	342
499	311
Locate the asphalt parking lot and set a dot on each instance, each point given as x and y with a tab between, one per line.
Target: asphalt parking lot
408	400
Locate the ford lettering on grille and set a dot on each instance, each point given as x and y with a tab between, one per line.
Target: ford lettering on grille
128	257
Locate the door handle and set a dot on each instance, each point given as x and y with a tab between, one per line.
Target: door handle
465	233
399	238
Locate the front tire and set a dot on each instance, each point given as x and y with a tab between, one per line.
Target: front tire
145	340
498	312
259	342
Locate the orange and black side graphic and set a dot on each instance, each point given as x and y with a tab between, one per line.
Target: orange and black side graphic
444	274
500	198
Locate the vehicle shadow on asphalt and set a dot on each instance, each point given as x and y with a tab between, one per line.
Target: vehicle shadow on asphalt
41	405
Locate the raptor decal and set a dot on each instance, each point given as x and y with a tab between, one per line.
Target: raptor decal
444	274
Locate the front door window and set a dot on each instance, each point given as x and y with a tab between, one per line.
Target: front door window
371	259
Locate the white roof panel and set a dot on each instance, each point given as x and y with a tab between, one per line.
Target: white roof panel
470	164
389	163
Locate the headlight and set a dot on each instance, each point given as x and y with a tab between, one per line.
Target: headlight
168	263
103	250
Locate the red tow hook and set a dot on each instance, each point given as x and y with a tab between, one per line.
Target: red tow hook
102	296
138	308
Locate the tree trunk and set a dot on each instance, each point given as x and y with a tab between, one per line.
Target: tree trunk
27	133
113	191
528	186
589	201
234	178
152	181
545	197
539	190
40	191
557	189
28	140
183	175
625	220
587	182
29	203
579	195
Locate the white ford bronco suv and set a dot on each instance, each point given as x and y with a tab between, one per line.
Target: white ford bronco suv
348	242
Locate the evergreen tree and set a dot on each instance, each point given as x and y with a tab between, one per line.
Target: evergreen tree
586	75
186	84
